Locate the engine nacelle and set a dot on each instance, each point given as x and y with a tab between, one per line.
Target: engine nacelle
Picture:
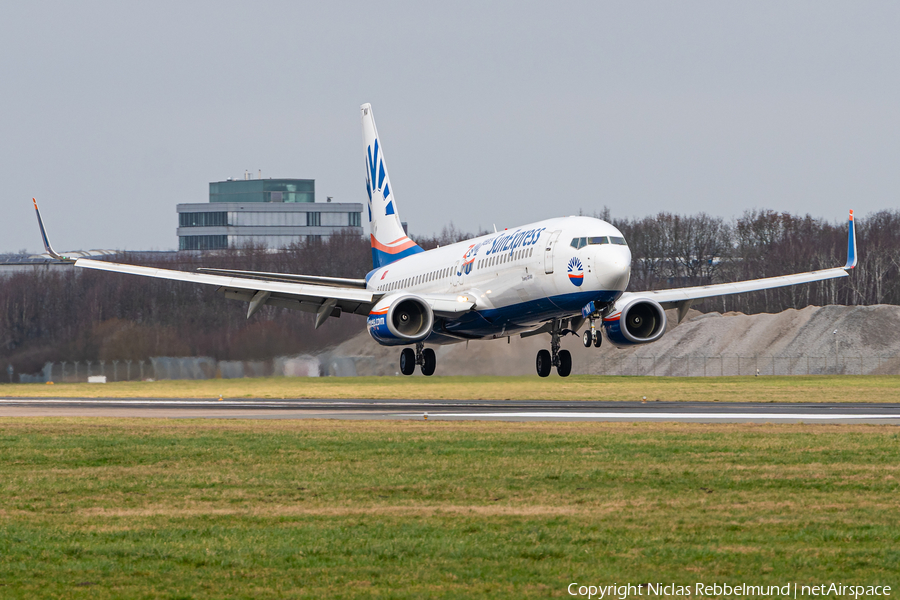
636	321
400	319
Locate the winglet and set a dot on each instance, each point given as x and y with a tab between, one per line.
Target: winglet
851	244
44	237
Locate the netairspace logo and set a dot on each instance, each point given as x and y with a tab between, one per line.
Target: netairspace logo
719	590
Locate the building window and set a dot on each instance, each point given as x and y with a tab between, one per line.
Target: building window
203	219
313	219
203	242
263	190
355	219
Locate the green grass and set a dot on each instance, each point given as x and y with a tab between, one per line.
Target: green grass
821	388
109	508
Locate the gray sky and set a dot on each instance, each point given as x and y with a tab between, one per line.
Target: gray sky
503	113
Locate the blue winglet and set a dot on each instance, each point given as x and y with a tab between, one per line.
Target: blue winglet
851	244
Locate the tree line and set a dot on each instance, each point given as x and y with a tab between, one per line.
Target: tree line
671	250
78	314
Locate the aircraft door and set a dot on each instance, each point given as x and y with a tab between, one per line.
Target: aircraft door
548	251
455	275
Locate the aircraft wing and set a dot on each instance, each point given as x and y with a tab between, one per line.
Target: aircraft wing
681	298
325	301
671	298
325	296
314	279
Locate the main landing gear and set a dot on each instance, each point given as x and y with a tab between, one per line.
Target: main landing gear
561	359
422	356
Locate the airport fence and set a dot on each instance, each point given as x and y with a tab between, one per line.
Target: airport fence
721	366
164	367
324	365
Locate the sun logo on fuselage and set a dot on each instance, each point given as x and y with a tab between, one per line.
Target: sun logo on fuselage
576	272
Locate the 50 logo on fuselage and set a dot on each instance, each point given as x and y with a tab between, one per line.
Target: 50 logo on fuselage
576	272
468	261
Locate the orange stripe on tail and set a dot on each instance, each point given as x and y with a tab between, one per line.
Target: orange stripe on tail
392	249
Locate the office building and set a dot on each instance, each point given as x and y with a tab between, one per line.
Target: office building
271	212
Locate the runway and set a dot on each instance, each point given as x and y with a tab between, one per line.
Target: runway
483	410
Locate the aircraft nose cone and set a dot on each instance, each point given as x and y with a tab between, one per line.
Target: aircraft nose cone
614	271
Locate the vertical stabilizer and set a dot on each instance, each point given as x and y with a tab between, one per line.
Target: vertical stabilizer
389	241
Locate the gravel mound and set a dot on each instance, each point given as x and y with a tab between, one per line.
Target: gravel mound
790	342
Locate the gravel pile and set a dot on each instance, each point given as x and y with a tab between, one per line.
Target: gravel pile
791	342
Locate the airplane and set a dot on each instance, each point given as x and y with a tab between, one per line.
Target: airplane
548	277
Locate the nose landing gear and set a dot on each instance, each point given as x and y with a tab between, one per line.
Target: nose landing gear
591	336
422	356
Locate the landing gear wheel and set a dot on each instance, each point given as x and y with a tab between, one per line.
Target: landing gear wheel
407	361
429	361
565	363
543	363
597	339
586	338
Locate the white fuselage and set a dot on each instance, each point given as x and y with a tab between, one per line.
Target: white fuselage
518	278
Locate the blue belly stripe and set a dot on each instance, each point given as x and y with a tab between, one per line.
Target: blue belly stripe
520	316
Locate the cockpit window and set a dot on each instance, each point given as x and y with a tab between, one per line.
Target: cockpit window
594	241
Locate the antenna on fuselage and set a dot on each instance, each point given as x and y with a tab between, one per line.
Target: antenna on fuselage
495	228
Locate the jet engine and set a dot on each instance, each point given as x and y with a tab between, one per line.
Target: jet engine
400	319
635	321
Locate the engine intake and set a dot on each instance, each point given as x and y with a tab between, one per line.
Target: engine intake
640	321
401	320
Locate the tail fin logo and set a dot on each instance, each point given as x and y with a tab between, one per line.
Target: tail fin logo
576	272
375	179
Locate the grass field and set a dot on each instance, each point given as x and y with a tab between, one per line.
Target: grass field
821	388
104	508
